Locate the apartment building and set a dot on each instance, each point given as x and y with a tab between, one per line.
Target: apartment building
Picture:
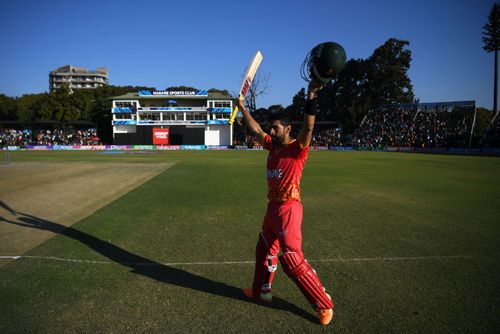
77	78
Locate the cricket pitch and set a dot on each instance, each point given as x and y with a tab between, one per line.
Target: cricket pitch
63	193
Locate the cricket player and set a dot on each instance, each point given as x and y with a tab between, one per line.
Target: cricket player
281	229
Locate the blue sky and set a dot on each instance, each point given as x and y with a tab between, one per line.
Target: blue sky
207	44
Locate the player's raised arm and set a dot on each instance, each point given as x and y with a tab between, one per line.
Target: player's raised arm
305	135
253	126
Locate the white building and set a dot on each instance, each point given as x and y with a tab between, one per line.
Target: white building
189	117
77	78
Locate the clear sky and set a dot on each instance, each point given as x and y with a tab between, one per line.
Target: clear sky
207	44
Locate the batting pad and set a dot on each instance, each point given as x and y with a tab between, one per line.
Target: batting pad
297	268
265	267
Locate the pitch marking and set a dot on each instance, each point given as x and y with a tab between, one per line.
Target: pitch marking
362	259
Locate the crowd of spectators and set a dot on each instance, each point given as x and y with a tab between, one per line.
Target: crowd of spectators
13	137
389	126
248	141
324	137
398	127
69	136
492	135
327	137
394	126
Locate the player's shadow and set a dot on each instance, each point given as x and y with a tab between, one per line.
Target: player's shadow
143	266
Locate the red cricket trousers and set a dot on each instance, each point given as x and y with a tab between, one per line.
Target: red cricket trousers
281	229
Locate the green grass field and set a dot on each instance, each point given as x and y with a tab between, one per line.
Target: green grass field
405	243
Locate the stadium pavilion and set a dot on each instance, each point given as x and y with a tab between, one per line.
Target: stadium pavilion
172	118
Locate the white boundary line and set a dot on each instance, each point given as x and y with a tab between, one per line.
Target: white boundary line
362	259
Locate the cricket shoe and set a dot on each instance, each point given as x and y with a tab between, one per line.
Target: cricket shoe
263	297
325	316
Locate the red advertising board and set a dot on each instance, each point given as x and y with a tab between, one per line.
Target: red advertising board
160	136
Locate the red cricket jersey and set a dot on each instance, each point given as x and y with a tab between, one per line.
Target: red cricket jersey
284	170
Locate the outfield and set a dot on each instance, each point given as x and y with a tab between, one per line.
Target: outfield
405	243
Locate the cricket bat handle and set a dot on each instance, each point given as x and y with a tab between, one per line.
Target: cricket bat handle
235	112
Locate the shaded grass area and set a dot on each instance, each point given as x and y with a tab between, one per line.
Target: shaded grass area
209	207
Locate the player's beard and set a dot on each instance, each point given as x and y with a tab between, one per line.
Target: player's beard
278	140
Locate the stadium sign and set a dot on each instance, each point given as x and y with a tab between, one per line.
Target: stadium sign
174	93
160	136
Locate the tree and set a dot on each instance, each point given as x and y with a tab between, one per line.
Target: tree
260	115
387	74
491	40
24	113
296	109
347	100
26	107
260	86
222	92
364	83
82	102
7	107
44	108
275	108
483	118
181	88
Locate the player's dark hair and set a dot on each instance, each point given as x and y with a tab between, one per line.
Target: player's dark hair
281	116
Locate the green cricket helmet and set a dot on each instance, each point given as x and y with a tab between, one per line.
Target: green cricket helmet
326	61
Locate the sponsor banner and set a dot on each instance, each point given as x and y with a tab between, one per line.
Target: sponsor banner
216	110
147	121
367	148
419	149
118	147
319	148
93	147
457	150
431	150
65	147
192	147
39	147
125	122
453	150
166	109
396	149
168	147
144	147
217	122
217	147
341	148
123	110
493	150
160	136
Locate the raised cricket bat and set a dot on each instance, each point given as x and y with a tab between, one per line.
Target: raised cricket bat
247	81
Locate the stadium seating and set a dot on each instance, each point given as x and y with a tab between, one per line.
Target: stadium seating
69	136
